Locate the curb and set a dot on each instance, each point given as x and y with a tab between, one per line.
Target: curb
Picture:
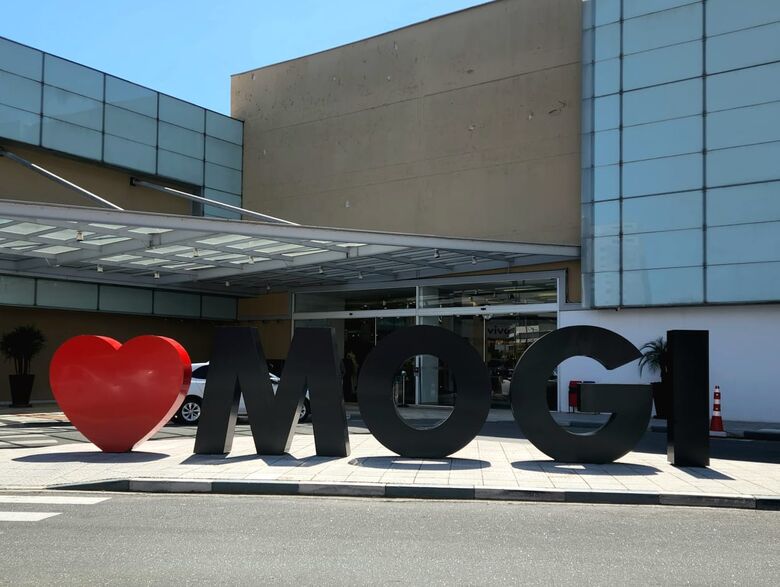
405	491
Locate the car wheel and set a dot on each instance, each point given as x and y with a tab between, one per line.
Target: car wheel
305	412
189	412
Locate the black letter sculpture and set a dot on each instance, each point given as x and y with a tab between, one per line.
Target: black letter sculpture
630	405
688	426
375	392
238	366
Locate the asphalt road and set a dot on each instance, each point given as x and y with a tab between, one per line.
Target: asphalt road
214	539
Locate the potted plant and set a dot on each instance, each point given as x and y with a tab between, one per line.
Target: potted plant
21	345
655	357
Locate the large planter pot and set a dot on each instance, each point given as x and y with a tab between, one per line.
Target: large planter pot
661	399
21	389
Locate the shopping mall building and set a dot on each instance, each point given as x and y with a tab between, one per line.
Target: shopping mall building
502	171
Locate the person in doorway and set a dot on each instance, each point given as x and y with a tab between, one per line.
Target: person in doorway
348	373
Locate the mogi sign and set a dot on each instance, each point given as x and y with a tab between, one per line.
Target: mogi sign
238	366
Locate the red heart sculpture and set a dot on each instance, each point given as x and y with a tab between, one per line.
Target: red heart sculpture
119	395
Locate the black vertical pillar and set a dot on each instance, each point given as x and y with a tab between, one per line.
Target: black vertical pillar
688	428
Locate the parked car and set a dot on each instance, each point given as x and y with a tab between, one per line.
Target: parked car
189	412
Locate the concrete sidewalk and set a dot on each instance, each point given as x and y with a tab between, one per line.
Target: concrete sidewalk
488	468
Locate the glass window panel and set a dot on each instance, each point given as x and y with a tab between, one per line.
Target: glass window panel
73	108
215	212
606	112
219	196
70	138
606	182
223	179
606	11
586	184
607	41
125	153
606	253
606	218
724	16
21	60
224	127
660	29
743	126
586	155
588	10
744	48
73	77
180	140
487	294
665	212
653	250
632	8
587	115
129	125
757	202
662	139
743	164
176	304
662	102
743	243
180	167
223	153
661	66
131	96
125	299
588	72
663	286
17	291
658	176
67	294
181	113
20	125
606	289
753	282
388	299
606	77
219	307
588	45
606	147
20	92
744	87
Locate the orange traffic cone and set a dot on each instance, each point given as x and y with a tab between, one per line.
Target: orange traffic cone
716	424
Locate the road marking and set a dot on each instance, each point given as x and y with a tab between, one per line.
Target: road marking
26	516
19	436
52	499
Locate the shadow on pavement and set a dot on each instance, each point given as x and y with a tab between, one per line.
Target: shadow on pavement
284	460
93	457
402	463
585	469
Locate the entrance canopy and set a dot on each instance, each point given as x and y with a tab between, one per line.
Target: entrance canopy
209	254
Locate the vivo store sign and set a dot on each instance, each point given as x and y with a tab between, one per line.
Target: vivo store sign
238	366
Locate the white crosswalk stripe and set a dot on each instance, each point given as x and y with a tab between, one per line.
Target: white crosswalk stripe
27	516
52	499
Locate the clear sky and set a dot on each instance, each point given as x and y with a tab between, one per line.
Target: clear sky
189	48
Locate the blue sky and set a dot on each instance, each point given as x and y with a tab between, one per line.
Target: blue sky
189	48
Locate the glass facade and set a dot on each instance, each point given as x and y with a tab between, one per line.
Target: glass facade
72	295
50	102
500	319
681	143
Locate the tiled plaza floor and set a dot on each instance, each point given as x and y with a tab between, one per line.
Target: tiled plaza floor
486	462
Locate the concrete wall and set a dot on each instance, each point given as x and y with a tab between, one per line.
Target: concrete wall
20	183
464	125
744	348
60	325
